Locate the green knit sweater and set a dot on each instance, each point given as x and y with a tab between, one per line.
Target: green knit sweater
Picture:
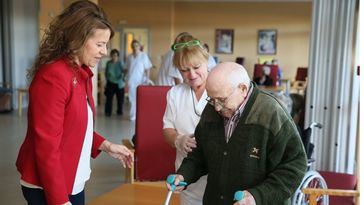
264	155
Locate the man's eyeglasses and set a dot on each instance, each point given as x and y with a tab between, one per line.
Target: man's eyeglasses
178	46
219	101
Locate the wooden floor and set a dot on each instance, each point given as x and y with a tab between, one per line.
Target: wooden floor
137	194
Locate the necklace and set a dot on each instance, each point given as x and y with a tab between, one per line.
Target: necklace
194	106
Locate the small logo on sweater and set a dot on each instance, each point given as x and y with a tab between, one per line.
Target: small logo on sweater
254	153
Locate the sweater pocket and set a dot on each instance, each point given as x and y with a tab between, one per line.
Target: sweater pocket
252	162
251	170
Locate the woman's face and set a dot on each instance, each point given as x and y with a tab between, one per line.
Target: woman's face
135	47
114	57
194	74
95	48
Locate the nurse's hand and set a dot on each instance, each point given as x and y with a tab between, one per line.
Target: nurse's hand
185	143
120	152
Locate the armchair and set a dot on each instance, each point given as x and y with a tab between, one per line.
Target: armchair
154	158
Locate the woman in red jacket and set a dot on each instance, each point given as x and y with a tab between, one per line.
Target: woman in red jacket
54	159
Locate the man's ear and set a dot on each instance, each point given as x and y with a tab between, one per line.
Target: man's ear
242	87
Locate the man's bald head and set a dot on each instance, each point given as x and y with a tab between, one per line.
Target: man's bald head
227	75
227	86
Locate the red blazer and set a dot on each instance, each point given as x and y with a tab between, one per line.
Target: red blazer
57	121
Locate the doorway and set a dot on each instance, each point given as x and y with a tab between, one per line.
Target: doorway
127	35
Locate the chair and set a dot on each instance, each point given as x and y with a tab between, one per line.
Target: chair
258	72
301	74
154	158
300	82
240	60
341	189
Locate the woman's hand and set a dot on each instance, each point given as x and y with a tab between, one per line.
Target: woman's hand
185	143
120	152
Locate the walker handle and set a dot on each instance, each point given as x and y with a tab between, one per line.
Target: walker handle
239	195
170	181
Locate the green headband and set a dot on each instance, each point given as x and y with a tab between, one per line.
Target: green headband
178	46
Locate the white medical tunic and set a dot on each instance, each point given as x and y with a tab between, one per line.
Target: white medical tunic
211	63
136	65
183	114
164	74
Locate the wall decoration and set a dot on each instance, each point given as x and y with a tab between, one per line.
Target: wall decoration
267	42
224	41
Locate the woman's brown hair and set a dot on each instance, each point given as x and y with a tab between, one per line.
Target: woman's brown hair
68	32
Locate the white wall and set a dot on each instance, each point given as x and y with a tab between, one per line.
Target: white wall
24	42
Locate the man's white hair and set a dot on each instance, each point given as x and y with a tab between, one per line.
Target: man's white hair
238	76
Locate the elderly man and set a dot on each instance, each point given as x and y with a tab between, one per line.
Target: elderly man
245	141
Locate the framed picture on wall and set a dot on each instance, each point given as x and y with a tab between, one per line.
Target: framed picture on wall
267	42
224	41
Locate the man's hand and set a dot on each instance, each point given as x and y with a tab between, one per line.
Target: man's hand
185	143
177	180
247	200
119	152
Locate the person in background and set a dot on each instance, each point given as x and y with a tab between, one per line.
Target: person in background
165	74
212	61
115	83
280	71
298	110
265	79
54	159
164	77
138	66
185	103
245	141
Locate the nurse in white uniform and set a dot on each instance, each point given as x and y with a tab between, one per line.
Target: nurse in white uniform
185	103
138	66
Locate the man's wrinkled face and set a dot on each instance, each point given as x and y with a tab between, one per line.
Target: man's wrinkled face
226	99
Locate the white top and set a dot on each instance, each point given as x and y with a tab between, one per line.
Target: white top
176	74
165	76
181	115
136	67
84	169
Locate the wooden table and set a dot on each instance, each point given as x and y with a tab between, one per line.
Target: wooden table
21	91
138	193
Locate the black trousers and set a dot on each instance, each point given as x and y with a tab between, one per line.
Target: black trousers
37	197
110	90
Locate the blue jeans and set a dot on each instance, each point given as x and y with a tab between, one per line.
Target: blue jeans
37	197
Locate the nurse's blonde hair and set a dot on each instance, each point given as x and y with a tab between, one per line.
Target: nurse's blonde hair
189	54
